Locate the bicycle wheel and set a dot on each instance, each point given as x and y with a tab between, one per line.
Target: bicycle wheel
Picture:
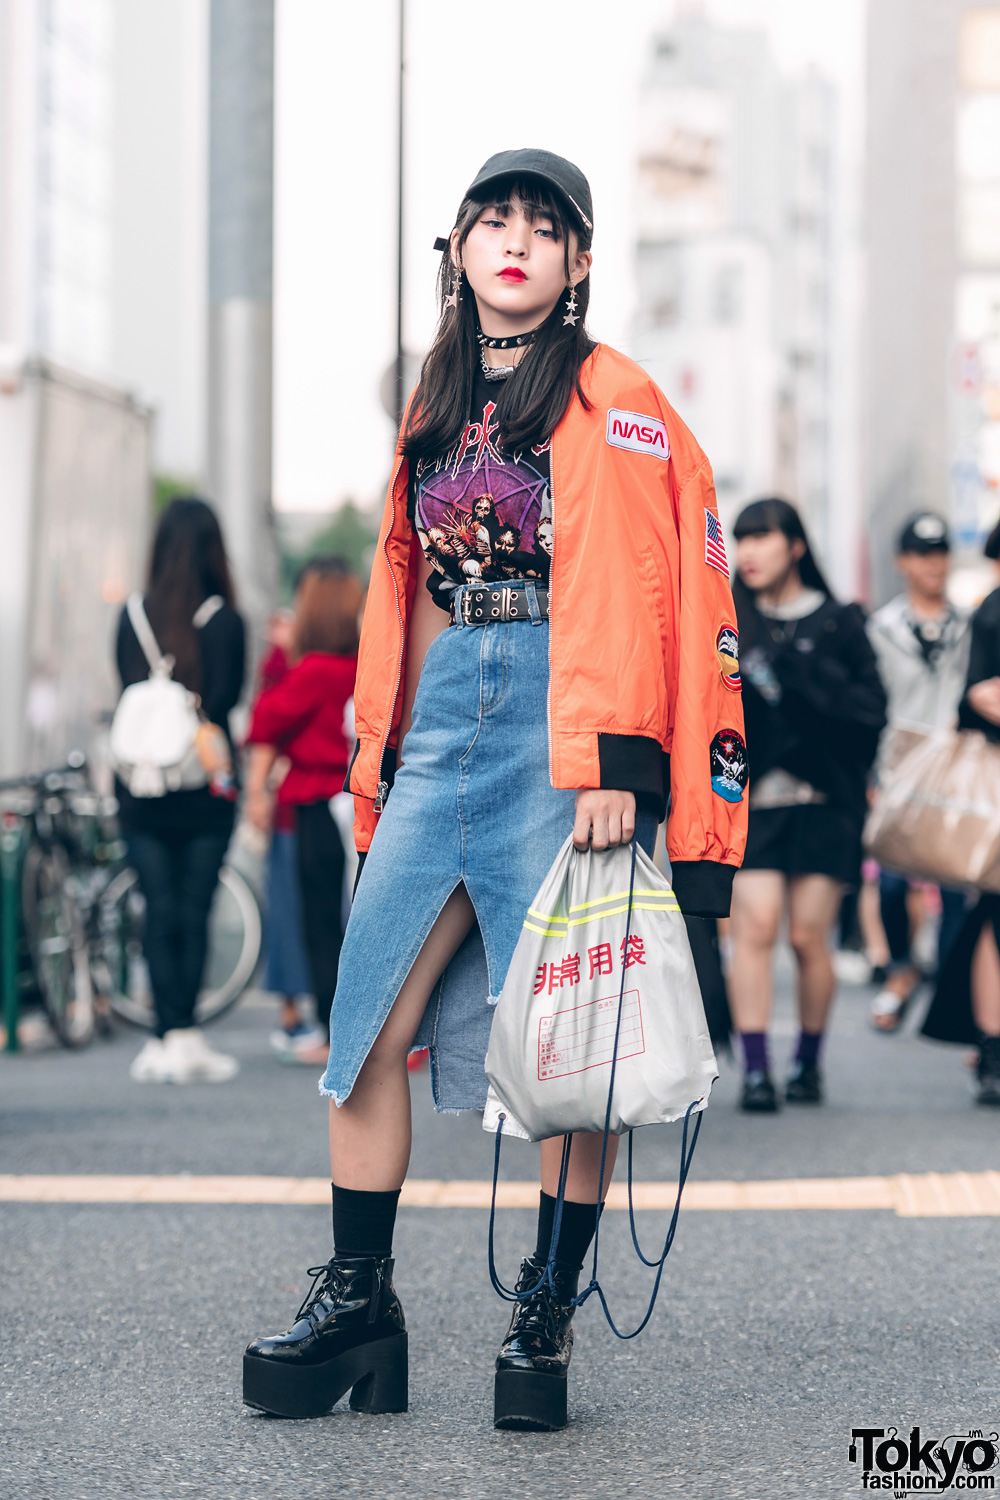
234	934
57	945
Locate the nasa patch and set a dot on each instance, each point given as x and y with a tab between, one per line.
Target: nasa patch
728	765
637	433
727	649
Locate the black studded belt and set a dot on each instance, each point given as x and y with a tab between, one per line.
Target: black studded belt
499	603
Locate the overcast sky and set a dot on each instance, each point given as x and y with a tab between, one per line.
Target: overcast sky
479	79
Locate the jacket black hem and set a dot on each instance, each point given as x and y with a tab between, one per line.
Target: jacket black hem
634	763
704	887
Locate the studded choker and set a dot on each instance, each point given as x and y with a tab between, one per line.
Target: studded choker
515	341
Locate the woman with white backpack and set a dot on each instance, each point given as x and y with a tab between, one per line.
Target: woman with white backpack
180	653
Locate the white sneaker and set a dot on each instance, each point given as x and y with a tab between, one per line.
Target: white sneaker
147	1067
293	1041
851	967
187	1058
305	1039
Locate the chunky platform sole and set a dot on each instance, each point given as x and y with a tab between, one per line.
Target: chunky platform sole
529	1400
375	1374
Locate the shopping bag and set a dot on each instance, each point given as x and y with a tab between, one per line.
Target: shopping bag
591	985
937	815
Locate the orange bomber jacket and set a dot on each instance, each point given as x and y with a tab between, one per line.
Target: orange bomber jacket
644	690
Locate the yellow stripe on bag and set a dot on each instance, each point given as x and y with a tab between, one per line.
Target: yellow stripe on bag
562	925
617	896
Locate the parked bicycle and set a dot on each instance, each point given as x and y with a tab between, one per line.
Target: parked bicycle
79	937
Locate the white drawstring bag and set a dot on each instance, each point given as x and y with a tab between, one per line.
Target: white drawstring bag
590	984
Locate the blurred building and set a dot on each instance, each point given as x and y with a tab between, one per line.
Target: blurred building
160	220
933	269
735	258
56	180
74	445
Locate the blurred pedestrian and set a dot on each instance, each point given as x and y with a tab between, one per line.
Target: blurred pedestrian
921	643
178	840
302	718
287	966
476	759
966	1003
814	709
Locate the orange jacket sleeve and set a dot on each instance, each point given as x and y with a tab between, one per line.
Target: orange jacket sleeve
707	823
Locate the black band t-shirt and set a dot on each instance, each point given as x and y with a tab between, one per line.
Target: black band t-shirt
479	514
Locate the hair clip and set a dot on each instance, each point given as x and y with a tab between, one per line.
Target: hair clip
441	244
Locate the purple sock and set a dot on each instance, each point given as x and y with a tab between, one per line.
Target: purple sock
807	1051
754	1051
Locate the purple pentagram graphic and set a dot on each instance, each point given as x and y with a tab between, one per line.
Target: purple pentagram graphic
483	515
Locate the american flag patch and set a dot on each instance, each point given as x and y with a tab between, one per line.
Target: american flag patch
715	547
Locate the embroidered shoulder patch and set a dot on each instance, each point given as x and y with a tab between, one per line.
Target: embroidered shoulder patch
638	433
715	546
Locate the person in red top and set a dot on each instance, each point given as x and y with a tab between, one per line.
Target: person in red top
302	716
287	972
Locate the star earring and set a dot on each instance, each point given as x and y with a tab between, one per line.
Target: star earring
572	317
454	297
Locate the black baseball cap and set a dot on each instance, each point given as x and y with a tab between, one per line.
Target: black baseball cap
568	181
924	532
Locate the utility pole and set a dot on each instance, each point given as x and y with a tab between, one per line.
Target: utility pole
400	390
240	277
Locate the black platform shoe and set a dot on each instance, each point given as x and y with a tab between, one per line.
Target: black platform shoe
529	1390
804	1085
988	1071
349	1334
758	1094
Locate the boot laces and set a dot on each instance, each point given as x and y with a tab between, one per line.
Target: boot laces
326	1278
537	1315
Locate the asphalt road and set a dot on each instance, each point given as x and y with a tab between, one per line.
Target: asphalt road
121	1327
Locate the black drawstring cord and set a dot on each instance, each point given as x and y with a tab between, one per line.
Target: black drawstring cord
687	1154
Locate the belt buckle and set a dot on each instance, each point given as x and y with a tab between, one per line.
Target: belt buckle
466	606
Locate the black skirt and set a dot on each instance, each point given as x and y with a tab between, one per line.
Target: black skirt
807	839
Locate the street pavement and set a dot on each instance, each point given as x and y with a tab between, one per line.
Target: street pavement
122	1326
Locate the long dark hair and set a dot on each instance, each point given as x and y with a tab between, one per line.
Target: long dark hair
531	402
772	514
187	566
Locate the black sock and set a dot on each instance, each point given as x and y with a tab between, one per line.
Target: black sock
363	1222
576	1230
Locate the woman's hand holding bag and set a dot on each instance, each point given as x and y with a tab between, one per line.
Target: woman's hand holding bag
579	960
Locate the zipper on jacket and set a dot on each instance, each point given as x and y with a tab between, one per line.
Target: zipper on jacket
382	789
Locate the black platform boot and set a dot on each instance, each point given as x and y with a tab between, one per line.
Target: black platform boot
349	1334
530	1386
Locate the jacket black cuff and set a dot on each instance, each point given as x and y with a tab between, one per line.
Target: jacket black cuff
703	887
633	763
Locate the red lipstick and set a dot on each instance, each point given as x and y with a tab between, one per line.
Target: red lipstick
512	273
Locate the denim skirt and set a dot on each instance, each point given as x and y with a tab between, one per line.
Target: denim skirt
472	804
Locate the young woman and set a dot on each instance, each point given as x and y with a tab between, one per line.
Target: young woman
497	713
966	1003
814	709
177	842
302	717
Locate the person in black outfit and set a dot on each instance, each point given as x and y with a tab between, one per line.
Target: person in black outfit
177	842
814	707
966	1003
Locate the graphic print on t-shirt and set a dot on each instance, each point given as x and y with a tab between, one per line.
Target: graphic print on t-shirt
483	515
